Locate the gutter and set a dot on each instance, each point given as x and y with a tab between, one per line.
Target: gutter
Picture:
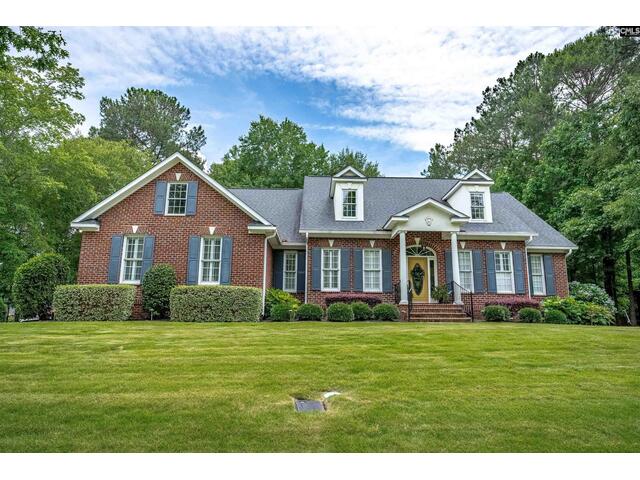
306	266
264	269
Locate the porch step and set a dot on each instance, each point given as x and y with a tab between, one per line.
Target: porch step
438	312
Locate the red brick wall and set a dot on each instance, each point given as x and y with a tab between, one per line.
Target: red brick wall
172	233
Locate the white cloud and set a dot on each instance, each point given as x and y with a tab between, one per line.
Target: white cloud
411	87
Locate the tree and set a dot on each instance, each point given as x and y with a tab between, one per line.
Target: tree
152	121
271	154
35	86
350	158
439	164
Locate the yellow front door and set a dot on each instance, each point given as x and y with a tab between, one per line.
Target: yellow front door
419	278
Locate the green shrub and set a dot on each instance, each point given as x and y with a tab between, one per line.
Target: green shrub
340	312
220	303
156	289
386	312
34	282
554	316
496	313
530	315
572	308
440	293
361	311
309	311
73	303
597	315
3	311
276	296
588	292
281	313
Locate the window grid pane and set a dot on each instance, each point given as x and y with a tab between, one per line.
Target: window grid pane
330	272
133	259
503	272
349	203
289	277
177	199
477	205
210	261
537	275
372	268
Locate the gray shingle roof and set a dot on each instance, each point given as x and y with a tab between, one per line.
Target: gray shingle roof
311	208
280	206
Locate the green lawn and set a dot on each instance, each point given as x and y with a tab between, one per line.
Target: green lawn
153	386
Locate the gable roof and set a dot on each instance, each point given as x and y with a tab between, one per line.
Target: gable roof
97	210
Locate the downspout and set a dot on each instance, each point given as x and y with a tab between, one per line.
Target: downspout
264	270
526	266
306	265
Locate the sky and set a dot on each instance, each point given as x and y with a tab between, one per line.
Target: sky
391	93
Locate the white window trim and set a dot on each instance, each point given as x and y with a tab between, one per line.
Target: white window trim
295	271
166	201
513	281
484	207
373	290
322	287
470	252
200	281
355	205
122	259
544	278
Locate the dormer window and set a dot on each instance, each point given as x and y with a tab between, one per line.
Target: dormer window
349	203
477	206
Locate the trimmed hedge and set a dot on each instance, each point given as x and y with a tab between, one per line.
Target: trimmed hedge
275	296
220	303
309	311
530	315
371	300
156	289
386	312
73	303
340	312
361	311
34	283
280	313
516	305
496	313
554	316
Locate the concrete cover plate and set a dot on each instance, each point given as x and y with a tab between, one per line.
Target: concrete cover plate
303	405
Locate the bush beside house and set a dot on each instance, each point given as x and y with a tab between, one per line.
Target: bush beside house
530	315
554	316
74	303
281	313
34	283
386	312
340	312
309	311
361	311
275	296
156	290
220	303
350	298
496	313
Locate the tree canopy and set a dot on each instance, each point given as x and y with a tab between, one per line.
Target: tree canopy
273	154
153	122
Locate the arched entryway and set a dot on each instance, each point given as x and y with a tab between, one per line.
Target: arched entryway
422	268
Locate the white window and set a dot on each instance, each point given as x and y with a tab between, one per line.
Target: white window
504	272
477	206
372	271
176	199
290	270
210	259
131	268
331	270
465	264
349	203
537	275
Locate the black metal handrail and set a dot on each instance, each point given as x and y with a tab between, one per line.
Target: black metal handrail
466	297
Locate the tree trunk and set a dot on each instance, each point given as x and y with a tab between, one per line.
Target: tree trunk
632	301
609	265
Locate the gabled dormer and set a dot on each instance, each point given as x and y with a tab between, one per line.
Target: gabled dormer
471	195
347	191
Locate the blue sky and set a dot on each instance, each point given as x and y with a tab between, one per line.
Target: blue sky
391	93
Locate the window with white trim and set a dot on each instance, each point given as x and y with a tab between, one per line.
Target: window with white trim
477	206
349	203
465	265
372	270
537	275
331	269
176	199
504	272
132	260
210	259
289	271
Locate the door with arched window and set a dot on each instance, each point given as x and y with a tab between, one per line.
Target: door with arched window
421	265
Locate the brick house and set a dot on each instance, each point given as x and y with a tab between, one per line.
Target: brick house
392	238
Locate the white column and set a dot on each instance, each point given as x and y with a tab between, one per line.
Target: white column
404	277
455	274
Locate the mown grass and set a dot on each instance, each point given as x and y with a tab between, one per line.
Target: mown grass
154	386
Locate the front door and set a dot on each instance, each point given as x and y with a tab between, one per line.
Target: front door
419	278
